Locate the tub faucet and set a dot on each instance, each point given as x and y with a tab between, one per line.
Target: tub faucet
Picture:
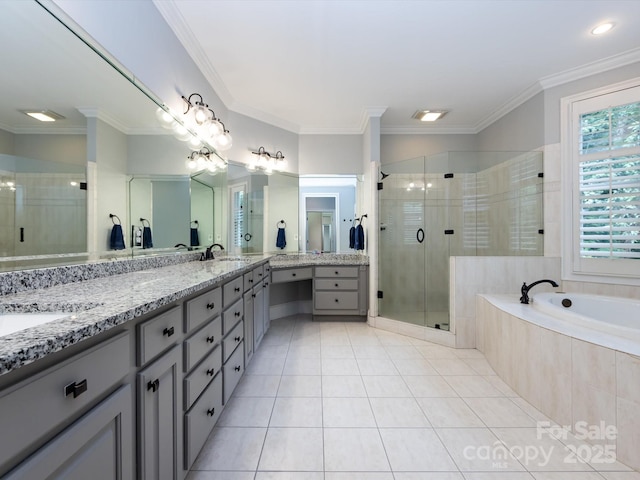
525	289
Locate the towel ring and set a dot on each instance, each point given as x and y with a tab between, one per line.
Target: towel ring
112	216
145	220
283	223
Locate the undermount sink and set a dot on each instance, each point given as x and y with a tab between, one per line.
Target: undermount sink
14	322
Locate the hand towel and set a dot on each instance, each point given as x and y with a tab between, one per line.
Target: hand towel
359	240
352	237
195	241
117	238
147	242
281	241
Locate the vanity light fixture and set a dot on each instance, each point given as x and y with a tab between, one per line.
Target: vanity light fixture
206	124
429	115
602	28
205	159
43	115
266	162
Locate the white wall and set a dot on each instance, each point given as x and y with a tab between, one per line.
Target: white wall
395	148
330	154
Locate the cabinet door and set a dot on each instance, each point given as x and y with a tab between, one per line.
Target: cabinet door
258	315
159	418
266	317
248	327
98	445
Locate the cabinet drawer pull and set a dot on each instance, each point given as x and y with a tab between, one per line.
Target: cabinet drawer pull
237	368
237	339
210	372
265	284
237	289
336	272
76	388
236	314
260	274
337	285
154	385
211	339
337	301
253	295
168	331
293	274
211	306
211	412
251	280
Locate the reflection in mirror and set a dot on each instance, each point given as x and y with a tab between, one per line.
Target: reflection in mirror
42	206
329	211
257	204
207	207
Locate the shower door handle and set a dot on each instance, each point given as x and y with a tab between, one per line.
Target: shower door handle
420	235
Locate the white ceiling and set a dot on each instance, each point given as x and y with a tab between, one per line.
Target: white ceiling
314	66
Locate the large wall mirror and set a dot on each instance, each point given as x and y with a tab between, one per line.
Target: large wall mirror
104	154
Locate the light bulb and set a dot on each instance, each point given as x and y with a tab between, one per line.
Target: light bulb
165	119
411	185
191	163
195	143
223	142
200	113
214	128
429	185
211	167
181	132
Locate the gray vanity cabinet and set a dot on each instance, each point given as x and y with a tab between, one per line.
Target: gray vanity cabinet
160	418
40	407
340	290
98	445
258	315
249	326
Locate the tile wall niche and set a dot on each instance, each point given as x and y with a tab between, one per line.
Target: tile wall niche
567	379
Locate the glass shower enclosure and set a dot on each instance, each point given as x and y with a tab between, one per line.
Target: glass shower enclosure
451	204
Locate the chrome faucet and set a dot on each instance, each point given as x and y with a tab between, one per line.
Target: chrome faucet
208	255
525	289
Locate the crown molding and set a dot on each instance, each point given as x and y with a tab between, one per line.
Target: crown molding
180	27
600	66
428	130
508	106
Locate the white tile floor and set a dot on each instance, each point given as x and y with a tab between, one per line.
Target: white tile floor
343	401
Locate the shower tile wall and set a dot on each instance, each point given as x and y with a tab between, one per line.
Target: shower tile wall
510	208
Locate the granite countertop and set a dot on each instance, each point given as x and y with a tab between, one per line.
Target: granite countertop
99	304
290	260
99	297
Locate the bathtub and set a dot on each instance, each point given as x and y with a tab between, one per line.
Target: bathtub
611	322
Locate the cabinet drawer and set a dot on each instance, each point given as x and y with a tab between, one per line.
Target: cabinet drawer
231	316
336	284
202	308
337	272
336	300
232	291
201	342
248	280
232	340
258	275
292	274
266	270
158	334
232	371
200	420
48	399
196	381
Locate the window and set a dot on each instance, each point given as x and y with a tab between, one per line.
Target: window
605	149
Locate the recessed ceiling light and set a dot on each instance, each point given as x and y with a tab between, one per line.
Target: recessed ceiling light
429	115
43	115
602	28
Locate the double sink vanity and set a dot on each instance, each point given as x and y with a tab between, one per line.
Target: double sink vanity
131	380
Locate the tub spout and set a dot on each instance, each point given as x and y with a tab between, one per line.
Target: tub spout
525	289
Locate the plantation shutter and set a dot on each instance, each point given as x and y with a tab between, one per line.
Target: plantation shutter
609	182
